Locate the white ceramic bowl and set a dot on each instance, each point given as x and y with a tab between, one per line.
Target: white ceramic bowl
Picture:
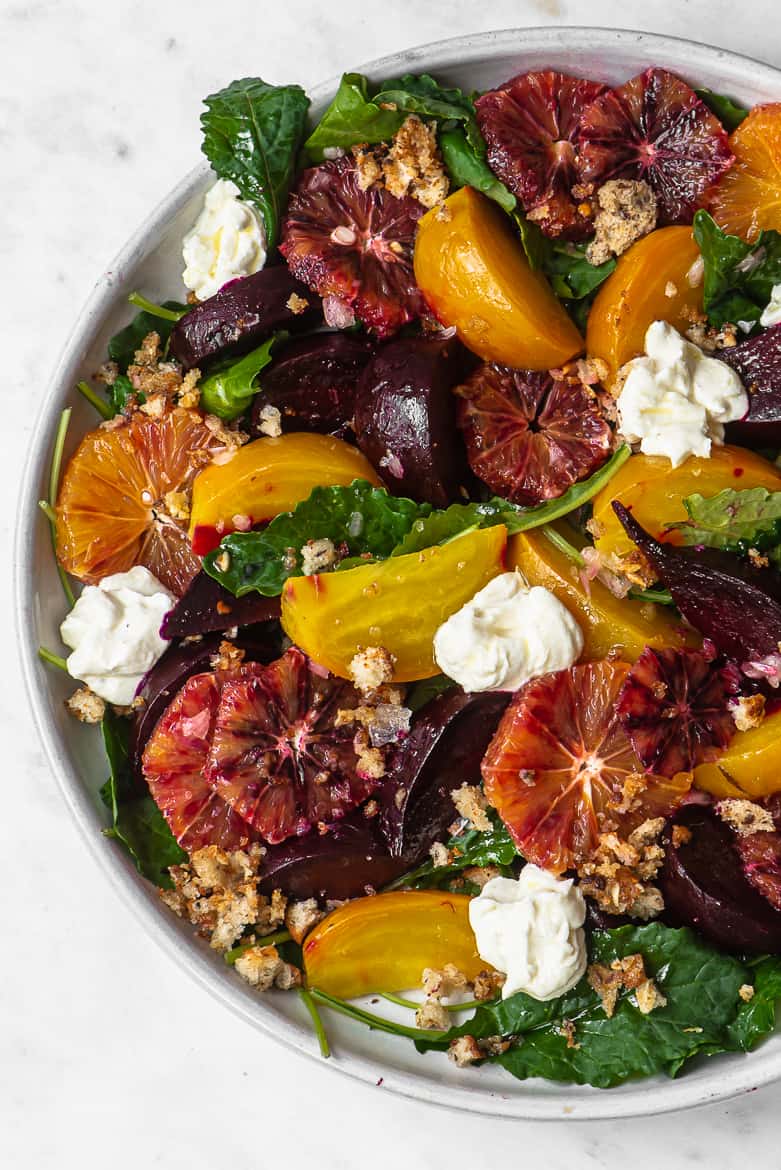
151	262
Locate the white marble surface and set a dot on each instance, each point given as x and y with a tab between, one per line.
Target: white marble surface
108	1054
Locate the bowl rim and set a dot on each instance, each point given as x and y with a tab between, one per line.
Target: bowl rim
641	1098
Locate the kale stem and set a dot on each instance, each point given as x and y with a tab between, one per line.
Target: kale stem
468	1006
397	999
103	408
54	484
376	1022
317	1023
657	596
141	302
564	546
48	511
270	940
52	659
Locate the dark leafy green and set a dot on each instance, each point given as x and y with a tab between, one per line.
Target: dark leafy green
119	393
471	847
123	345
573	279
368	523
467	168
356	115
439	526
252	133
738	277
703	1014
757	1016
729	113
137	821
229	390
363	518
736	521
427	689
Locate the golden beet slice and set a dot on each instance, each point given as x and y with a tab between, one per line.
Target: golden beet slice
473	273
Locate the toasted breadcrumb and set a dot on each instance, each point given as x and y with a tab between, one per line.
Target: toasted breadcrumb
411	165
107	373
263	968
567	1029
371	668
648	997
270	421
177	505
623	974
228	657
297	304
745	817
217	892
442	984
680	836
370	764
746	992
627	211
480	875
317	556
431	1014
367	167
493	1045
86	705
189	395
748	711
440	855
464	1051
488	984
617	873
300	917
471	804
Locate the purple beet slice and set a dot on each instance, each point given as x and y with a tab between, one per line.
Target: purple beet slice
312	383
206	606
444	749
405	418
728	600
758	362
704	886
349	860
241	315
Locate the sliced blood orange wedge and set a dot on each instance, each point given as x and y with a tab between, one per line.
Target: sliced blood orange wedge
561	769
112	512
279	755
174	762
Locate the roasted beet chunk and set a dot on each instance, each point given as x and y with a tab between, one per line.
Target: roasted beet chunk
758	362
312	383
443	750
241	315
405	418
704	885
206	607
728	600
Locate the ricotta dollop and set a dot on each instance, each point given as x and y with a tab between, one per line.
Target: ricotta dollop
113	631
507	634
531	929
228	240
771	314
676	399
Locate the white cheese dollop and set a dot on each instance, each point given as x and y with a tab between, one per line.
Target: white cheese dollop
113	630
506	635
531	929
228	240
771	314
676	400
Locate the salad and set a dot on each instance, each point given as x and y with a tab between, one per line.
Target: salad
429	554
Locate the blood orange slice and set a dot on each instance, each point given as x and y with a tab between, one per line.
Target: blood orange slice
532	127
277	755
112	512
173	764
561	769
528	435
656	128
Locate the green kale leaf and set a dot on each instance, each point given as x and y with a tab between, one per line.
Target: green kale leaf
137	822
729	113
739	277
735	521
355	116
123	345
703	1013
252	133
426	689
362	518
471	847
229	389
757	1016
467	168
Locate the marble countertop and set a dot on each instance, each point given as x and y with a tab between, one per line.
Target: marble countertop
108	1056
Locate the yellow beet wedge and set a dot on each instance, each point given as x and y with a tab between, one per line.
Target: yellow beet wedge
472	270
657	279
382	943
398	604
267	477
749	767
609	624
